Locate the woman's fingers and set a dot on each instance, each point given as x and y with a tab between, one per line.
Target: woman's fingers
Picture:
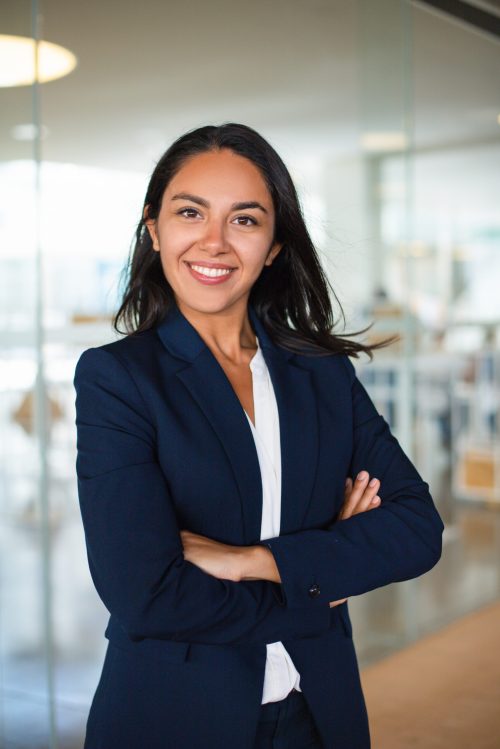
360	496
371	487
337	603
347	488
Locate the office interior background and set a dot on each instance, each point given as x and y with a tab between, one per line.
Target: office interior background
387	113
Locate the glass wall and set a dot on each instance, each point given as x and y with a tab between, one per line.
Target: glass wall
395	148
26	603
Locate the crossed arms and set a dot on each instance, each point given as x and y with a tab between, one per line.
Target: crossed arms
135	548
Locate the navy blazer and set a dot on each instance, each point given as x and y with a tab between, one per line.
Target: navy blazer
164	445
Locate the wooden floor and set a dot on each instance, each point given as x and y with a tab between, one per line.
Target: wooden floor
442	692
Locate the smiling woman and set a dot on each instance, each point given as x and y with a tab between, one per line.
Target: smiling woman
225	450
214	243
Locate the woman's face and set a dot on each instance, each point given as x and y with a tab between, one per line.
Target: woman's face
214	231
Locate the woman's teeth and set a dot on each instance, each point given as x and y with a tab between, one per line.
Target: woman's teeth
211	272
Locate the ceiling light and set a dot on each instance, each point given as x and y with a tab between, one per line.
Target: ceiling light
27	131
17	61
384	141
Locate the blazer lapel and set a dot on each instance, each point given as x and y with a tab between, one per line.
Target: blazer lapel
207	382
296	399
211	389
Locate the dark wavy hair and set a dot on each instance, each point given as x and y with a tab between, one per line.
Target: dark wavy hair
290	296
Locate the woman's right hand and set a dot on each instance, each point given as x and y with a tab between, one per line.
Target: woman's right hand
360	497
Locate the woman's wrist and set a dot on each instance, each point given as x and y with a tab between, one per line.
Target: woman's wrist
258	563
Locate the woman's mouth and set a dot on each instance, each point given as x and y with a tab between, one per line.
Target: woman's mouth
209	275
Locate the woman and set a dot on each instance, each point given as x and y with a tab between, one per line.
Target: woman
225	448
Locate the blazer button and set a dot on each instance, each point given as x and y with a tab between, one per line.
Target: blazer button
314	590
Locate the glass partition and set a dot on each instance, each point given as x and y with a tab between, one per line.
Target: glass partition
27	709
399	191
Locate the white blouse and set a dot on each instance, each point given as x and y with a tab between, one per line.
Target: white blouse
280	674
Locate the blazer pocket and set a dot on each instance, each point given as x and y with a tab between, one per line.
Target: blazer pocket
168	650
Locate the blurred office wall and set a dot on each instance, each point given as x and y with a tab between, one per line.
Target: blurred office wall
387	114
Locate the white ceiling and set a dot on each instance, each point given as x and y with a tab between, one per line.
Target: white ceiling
309	74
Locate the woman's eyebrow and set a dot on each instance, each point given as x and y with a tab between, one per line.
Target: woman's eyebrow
201	201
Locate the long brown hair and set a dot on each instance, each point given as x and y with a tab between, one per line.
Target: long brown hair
291	296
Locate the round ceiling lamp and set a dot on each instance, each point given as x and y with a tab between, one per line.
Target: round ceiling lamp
378	141
17	61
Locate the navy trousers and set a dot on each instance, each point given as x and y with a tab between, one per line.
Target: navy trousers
287	724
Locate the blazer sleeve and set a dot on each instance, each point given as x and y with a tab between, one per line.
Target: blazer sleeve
399	540
134	548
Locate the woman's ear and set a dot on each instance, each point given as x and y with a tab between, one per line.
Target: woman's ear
151	227
275	248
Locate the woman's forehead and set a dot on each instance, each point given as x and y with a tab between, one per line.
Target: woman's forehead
222	171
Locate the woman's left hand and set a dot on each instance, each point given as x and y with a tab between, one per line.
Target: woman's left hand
215	558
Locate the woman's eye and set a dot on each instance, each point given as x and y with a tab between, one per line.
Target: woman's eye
190	211
246	218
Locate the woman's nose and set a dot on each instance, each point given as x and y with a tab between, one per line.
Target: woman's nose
213	238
